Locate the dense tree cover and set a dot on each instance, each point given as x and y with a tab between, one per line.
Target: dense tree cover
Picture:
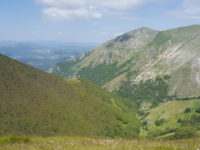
187	110
198	110
154	91
104	73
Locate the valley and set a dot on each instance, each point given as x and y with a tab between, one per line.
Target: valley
137	91
157	70
100	75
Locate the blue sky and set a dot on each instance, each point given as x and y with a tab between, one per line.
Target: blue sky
90	20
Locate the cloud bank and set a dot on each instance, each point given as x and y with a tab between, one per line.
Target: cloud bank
85	9
189	9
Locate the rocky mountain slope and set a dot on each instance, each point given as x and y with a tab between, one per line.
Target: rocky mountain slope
143	55
33	102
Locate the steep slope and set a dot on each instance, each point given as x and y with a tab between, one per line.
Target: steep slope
143	55
33	102
108	61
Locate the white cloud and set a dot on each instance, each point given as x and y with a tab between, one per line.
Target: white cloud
121	4
63	3
103	33
189	9
117	34
85	9
68	14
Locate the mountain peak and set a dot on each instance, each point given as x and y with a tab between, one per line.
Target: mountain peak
143	29
143	34
145	54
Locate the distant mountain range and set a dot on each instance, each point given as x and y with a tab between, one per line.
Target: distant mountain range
43	54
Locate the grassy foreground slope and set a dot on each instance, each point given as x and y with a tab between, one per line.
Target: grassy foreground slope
76	143
33	102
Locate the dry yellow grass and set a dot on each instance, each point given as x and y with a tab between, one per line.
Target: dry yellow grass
77	143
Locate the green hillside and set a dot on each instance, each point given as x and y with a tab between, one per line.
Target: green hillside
133	61
170	118
33	102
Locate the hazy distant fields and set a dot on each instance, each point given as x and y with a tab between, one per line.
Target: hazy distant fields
76	143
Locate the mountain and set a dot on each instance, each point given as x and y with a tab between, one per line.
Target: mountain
144	65
36	103
43	54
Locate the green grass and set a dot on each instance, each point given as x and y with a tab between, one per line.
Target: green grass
12	140
161	38
33	102
170	112
79	143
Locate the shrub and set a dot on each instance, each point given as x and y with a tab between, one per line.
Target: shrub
195	119
155	133
179	120
141	113
185	133
13	139
19	139
187	110
166	77
198	110
159	132
159	122
144	123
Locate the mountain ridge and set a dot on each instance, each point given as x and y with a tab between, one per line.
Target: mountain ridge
142	54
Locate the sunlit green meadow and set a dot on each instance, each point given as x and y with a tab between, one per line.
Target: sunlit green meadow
81	143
